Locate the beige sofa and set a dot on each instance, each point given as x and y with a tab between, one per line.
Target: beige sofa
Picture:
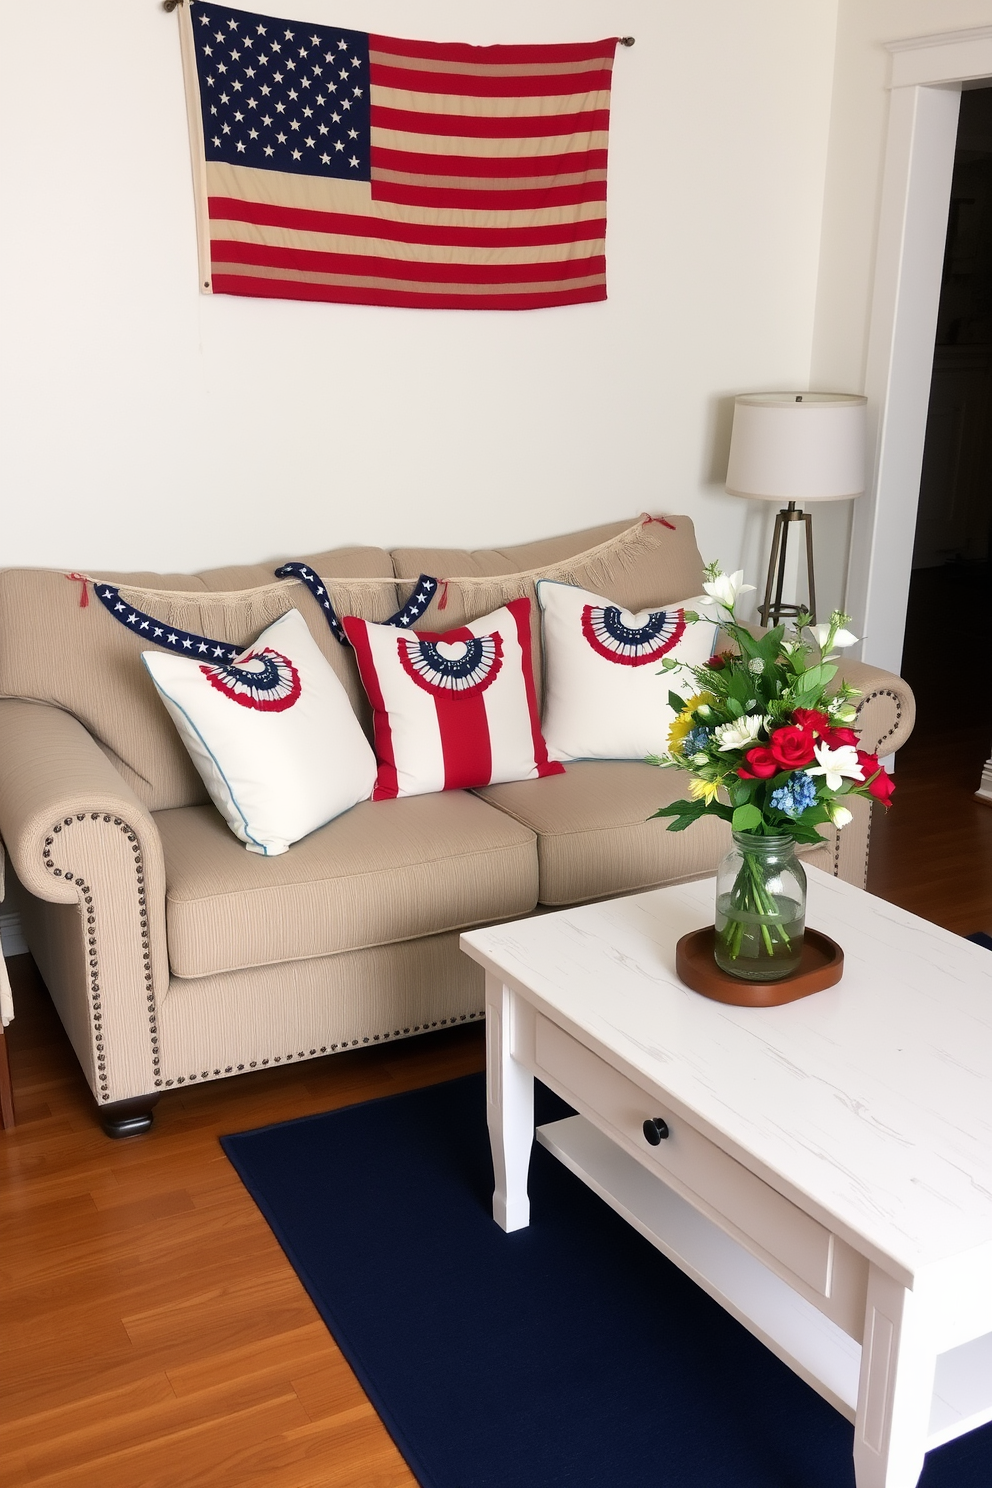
175	957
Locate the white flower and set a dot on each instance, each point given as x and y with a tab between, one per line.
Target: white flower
821	634
739	734
725	588
835	764
839	815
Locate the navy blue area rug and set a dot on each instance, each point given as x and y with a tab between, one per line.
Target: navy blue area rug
980	938
570	1353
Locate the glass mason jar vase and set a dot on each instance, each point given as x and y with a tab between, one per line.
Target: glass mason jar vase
760	909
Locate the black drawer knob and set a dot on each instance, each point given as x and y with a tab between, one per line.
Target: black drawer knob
655	1130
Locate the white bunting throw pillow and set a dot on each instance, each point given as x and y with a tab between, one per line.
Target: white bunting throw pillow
606	694
455	710
271	732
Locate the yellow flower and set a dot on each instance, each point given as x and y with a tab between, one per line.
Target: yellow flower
685	721
704	790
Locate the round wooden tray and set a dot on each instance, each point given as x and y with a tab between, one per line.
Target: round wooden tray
822	966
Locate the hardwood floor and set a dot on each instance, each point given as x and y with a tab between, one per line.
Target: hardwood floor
152	1334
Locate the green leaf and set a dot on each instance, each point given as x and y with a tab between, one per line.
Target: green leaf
679	808
746	818
735	707
676	703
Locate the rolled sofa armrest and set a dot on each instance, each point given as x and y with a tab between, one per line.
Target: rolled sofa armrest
79	837
886	707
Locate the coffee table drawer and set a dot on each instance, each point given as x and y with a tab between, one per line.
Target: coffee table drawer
754	1211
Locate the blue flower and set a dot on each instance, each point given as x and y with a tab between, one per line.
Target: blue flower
695	740
796	795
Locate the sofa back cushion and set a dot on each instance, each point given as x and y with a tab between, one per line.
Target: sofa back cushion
641	563
53	650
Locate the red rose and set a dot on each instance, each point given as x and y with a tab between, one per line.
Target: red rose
835	737
792	747
719	660
762	763
810	718
821	727
883	786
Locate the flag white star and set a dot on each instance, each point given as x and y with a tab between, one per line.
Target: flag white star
353	162
310	142
187	643
269	150
218	650
297	155
325	159
202	647
172	638
157	631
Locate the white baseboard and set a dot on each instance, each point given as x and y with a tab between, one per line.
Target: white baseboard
11	935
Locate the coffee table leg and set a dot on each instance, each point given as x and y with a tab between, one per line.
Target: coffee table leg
896	1389
510	1110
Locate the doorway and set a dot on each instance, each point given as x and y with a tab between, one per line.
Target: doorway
948	627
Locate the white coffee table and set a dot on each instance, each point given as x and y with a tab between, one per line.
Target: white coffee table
827	1173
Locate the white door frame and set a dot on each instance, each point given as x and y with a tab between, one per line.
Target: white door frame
926	80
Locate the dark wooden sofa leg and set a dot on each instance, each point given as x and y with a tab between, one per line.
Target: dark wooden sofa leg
127	1118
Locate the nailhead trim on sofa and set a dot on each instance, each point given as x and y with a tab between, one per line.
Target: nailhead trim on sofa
86	896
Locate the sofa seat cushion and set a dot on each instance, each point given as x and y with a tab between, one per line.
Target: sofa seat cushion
385	871
594	832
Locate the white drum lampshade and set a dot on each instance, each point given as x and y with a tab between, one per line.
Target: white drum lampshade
796	448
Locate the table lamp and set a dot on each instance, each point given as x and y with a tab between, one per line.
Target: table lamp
795	447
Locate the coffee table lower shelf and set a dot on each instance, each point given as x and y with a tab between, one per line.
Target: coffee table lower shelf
799	1334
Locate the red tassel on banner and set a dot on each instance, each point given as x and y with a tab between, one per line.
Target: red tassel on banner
84	595
442	603
664	523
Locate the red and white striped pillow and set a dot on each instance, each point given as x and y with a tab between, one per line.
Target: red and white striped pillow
453	710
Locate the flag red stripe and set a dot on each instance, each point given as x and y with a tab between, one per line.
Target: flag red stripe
294	289
386	785
304	259
230	209
487	198
573	51
467	85
488	126
508	166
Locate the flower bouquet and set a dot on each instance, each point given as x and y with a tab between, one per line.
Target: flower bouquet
770	750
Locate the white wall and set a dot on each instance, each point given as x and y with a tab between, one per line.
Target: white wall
853	194
147	425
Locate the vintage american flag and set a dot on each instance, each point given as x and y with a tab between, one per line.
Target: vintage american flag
337	165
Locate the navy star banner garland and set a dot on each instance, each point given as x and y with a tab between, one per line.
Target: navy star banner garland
189	643
332	164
